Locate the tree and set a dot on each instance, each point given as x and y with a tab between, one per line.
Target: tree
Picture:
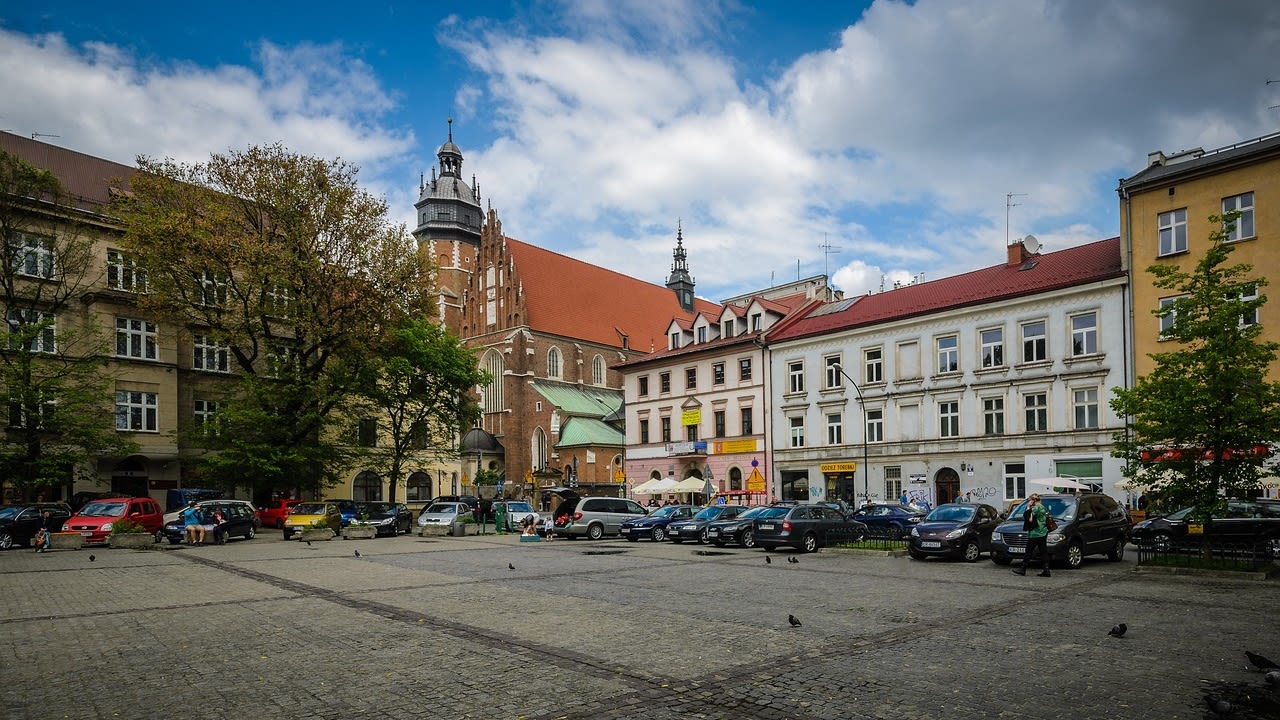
422	387
57	395
284	264
1202	420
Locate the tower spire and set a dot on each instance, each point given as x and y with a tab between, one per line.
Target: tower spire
680	281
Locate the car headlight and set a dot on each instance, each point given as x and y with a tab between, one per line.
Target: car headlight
997	537
386	521
954	534
106	527
915	532
1054	538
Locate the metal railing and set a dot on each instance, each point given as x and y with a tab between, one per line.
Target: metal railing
869	539
1258	553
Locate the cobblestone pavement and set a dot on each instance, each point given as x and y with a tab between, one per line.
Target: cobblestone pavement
444	628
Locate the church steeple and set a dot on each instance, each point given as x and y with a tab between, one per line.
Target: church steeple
680	281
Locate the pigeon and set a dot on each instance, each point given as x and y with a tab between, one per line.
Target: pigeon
1260	662
92	558
1218	706
1273	677
794	622
793	561
510	566
308	543
357	553
768	560
1118	630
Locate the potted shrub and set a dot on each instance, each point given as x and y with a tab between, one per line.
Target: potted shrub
319	530
359	529
126	533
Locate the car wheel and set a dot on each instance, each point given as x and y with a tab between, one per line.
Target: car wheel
1075	555
1116	553
253	533
1161	542
1001	560
748	538
703	537
6	540
971	551
809	543
659	534
595	532
768	548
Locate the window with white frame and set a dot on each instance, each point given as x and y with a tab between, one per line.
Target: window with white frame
949	418
124	274
675	341
136	411
597	370
1172	230
795	376
835	429
993	416
1243	226
726	328
717	373
135	338
35	330
279	300
832	366
32	255
893	482
992	347
1168	315
1085	404
211	289
44	408
1035	344
1036	409
702	333
873	365
757	321
208	355
948	354
1084	334
796	426
1015	481
1250	316
553	362
744	368
204	412
875	426
281	360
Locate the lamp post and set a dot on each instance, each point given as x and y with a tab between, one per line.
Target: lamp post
866	471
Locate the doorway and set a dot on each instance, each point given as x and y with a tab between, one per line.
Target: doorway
946	485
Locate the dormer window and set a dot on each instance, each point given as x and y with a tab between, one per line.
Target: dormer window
726	328
675	341
702	334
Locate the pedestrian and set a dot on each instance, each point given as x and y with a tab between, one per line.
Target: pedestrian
44	536
1142	501
903	499
548	527
192	528
484	509
1035	522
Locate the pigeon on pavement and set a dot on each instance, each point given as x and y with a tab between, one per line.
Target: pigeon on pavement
1273	677
1260	662
793	560
357	553
308	543
92	558
510	566
768	560
794	622
1218	706
1118	630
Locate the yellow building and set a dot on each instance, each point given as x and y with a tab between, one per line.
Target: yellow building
1164	218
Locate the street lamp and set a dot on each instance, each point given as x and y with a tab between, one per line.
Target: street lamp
866	495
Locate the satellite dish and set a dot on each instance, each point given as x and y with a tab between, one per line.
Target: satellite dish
1031	244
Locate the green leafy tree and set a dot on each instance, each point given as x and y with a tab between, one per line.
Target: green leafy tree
1196	417
422	386
283	260
58	405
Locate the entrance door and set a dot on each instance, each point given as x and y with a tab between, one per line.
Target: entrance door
946	485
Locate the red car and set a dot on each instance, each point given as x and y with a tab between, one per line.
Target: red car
95	520
273	513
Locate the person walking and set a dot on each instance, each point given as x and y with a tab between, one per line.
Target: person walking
1036	522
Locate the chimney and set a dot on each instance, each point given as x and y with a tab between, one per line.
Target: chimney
1018	254
1156	158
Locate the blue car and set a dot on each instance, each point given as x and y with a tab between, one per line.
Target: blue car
350	509
654	525
893	520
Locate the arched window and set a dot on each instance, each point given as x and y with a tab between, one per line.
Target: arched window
539	449
367	487
493	391
553	363
597	370
735	478
418	487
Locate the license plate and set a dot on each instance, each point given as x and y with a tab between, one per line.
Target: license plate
766	527
626	530
713	533
1017	550
86	533
931	544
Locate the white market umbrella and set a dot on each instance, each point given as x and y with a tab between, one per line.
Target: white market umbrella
655	487
1059	483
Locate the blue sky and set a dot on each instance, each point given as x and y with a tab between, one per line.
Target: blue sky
890	131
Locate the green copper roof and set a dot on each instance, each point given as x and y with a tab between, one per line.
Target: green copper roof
580	431
579	400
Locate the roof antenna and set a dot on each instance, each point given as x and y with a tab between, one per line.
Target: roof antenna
40	135
827	249
451	128
1008	203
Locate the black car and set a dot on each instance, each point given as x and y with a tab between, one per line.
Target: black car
20	523
654	525
1088	524
959	530
892	520
387	518
695	528
804	527
239	519
737	531
1249	524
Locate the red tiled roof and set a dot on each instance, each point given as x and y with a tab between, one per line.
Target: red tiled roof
86	177
1080	265
568	297
712	345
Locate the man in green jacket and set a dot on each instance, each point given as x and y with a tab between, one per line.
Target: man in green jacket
1035	522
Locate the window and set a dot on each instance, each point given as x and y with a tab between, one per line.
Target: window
367	487
893	482
1037	412
644	430
795	375
992	347
675	341
1084	334
32	255
124	274
44	407
744	369
1172	229
208	355
33	329
757	321
691	433
832	365
1035	346
211	289
278	300
797	431
135	338
204	412
492	393
553	362
367	432
136	411
993	416
597	370
1243	204
949	419
875	426
1249	316
1015	481
666	429
948	354
835	429
538	448
717	374
702	333
281	360
1085	403
747	425
726	328
418	488
873	365
691	378
643	389
719	422
664	382
1168	315
908	360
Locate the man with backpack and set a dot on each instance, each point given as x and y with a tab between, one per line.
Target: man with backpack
1036	522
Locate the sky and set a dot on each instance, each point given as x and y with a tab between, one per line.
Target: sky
873	142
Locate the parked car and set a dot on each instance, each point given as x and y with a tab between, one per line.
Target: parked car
349	509
20	523
960	530
387	518
804	526
515	513
891	519
1088	524
443	513
695	528
82	498
96	519
275	511
472	501
654	525
1252	524
593	517
306	515
239	519
738	531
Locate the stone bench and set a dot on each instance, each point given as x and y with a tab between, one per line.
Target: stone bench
66	541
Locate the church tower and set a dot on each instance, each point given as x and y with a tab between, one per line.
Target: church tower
680	281
448	232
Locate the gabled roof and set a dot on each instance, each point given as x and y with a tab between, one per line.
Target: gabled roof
568	297
709	346
1094	262
579	400
85	177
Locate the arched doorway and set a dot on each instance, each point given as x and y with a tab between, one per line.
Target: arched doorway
946	486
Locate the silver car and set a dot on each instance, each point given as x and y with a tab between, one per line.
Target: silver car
516	513
444	513
594	517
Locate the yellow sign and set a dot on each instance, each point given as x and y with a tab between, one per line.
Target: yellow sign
528	476
724	447
1195	529
619	475
691	417
841	467
755	481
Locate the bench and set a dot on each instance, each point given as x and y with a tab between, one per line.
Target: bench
66	541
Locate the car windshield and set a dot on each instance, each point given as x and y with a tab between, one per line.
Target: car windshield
377	508
1180	514
441	509
307	509
665	511
777	511
709	513
102	509
516	507
8	513
951	513
751	512
1060	508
